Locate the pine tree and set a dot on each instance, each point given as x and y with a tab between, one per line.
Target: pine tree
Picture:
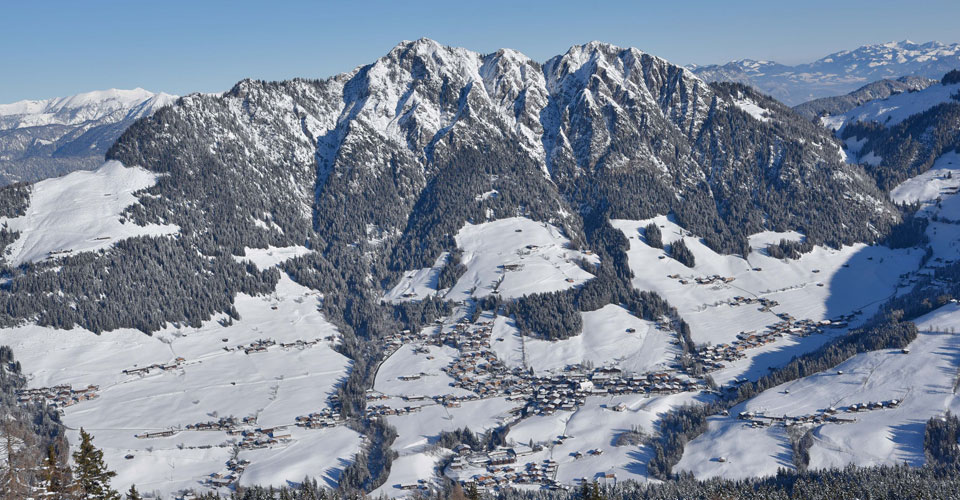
13	482
54	477
133	494
472	492
91	476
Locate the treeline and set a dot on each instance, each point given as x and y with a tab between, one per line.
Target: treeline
144	283
652	235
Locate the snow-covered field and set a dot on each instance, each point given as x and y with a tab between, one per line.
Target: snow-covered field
943	176
822	284
208	382
595	426
418	284
606	340
426	366
922	380
265	258
80	212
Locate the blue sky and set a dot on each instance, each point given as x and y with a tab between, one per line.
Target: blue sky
54	48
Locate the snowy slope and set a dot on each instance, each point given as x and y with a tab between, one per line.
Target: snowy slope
276	386
922	380
943	177
896	108
605	340
539	253
80	212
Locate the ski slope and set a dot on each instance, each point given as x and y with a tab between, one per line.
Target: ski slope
80	212
275	386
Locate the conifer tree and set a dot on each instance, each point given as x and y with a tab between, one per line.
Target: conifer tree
133	494
54	477
91	476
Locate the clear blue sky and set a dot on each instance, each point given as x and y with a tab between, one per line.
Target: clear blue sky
54	48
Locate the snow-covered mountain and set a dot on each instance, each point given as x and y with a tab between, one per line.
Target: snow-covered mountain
442	228
46	138
840	72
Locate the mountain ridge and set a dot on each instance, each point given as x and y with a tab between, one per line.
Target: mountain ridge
839	72
52	137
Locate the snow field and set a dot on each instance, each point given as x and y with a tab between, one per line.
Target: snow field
896	108
543	262
418	284
265	258
80	212
276	386
605	341
850	277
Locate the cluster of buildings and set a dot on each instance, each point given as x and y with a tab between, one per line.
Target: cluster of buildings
235	468
500	468
260	345
569	389
58	396
765	303
261	437
703	280
756	419
478	368
713	357
384	410
326	417
223	424
165	367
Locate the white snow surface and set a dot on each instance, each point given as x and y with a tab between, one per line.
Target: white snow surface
753	109
80	212
539	250
861	285
418	284
265	258
604	341
276	386
930	185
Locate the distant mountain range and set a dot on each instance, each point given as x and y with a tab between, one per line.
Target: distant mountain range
51	137
837	73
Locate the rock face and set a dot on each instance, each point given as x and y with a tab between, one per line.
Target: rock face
838	73
48	138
